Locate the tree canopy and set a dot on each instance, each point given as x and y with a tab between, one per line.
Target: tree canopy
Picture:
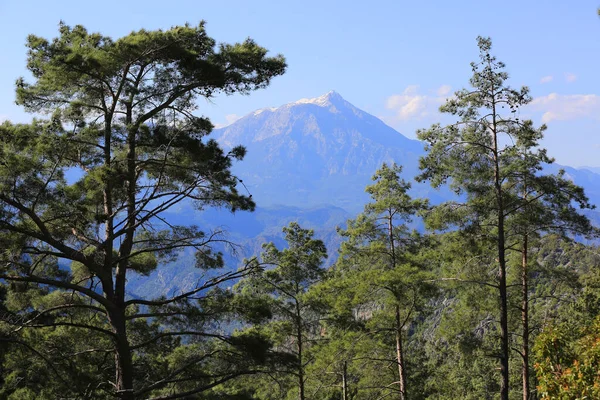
83	197
464	299
492	158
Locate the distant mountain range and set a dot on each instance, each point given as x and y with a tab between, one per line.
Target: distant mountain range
310	161
315	151
325	150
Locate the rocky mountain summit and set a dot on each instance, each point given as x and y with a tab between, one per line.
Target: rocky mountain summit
315	151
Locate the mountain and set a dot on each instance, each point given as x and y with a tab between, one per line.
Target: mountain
583	177
324	151
307	161
315	151
247	231
595	170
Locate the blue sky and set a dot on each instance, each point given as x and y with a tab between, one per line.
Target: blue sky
394	59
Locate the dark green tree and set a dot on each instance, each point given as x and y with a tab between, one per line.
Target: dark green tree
82	199
492	159
380	279
284	285
458	337
544	204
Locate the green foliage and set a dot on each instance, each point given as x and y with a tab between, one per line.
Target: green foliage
122	124
400	314
380	284
493	160
281	288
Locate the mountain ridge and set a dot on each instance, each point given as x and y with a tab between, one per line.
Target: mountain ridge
324	150
305	164
315	151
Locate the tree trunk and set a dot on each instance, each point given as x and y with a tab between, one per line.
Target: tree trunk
525	320
123	360
344	381
300	349
504	349
400	356
123	356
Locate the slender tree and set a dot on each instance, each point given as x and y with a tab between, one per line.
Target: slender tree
289	274
380	268
82	198
492	158
545	205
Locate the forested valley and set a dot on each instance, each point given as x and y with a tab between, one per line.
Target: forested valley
493	294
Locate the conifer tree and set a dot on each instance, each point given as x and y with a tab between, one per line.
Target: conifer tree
381	273
283	286
82	199
492	159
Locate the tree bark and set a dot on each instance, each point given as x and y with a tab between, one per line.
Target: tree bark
123	353
300	356
123	359
345	381
525	319
400	356
504	348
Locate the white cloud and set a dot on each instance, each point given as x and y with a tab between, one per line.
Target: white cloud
229	119
444	90
561	107
412	105
570	77
546	79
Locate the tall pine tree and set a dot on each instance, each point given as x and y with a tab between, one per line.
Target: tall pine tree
491	158
124	133
382	274
283	286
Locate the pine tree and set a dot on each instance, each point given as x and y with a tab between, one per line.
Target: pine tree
381	273
491	158
82	199
288	275
544	204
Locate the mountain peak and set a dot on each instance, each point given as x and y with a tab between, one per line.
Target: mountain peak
327	117
330	98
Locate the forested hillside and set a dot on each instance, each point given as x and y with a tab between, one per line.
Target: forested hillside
137	261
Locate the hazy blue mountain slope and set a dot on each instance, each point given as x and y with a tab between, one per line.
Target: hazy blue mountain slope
315	151
308	161
595	170
588	179
247	231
